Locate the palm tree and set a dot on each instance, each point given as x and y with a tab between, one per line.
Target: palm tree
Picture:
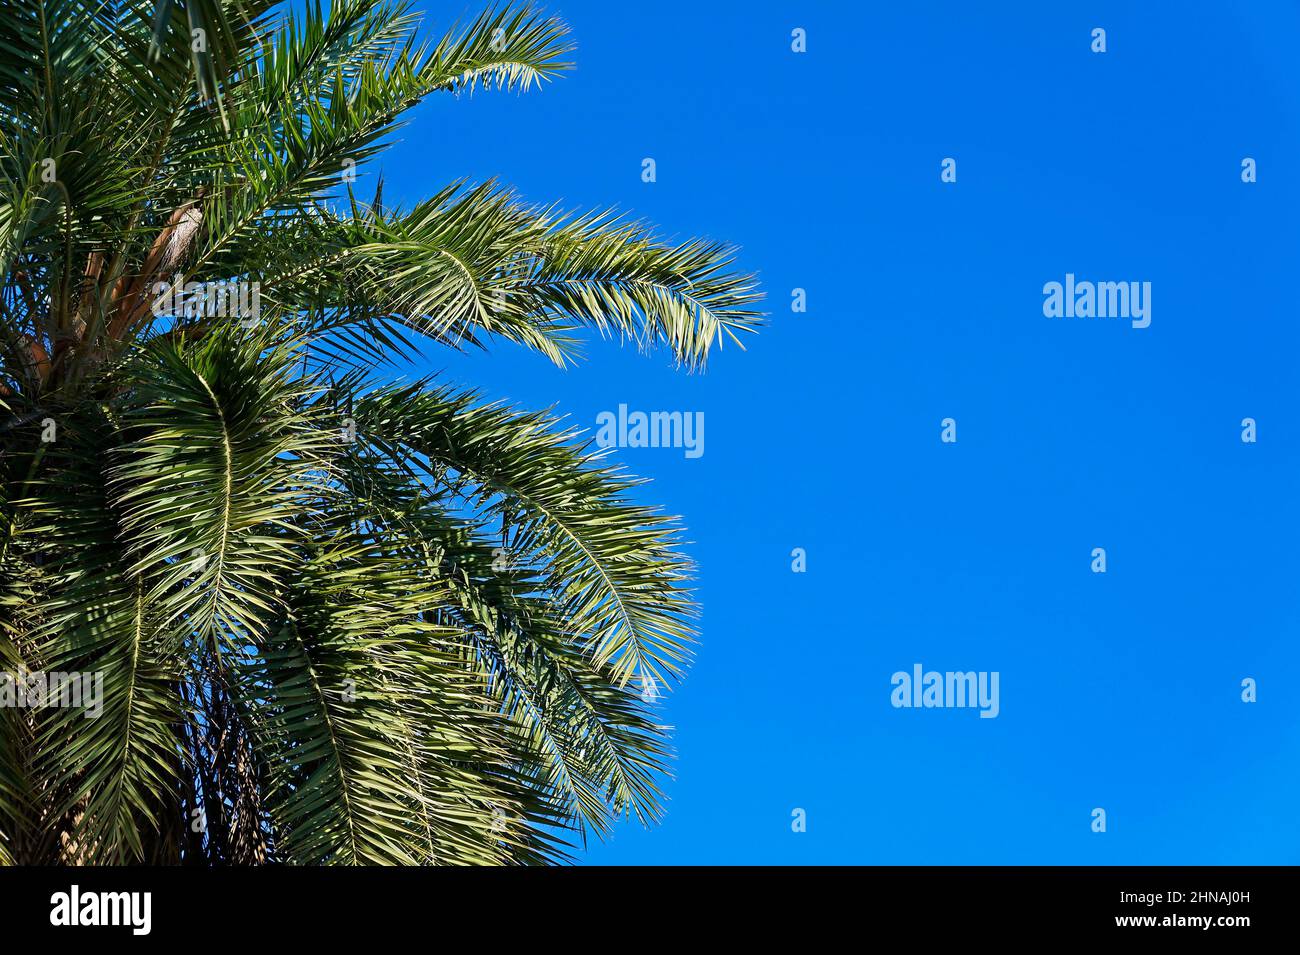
334	619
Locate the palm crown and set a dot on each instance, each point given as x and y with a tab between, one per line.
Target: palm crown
335	620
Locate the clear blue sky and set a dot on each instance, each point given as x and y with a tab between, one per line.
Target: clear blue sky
1121	690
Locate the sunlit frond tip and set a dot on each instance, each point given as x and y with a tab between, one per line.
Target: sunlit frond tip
512	48
617	275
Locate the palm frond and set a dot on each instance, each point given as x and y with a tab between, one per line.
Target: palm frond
610	566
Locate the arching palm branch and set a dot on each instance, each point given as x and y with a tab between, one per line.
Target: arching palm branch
336	621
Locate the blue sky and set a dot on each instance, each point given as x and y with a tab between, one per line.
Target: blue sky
925	301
